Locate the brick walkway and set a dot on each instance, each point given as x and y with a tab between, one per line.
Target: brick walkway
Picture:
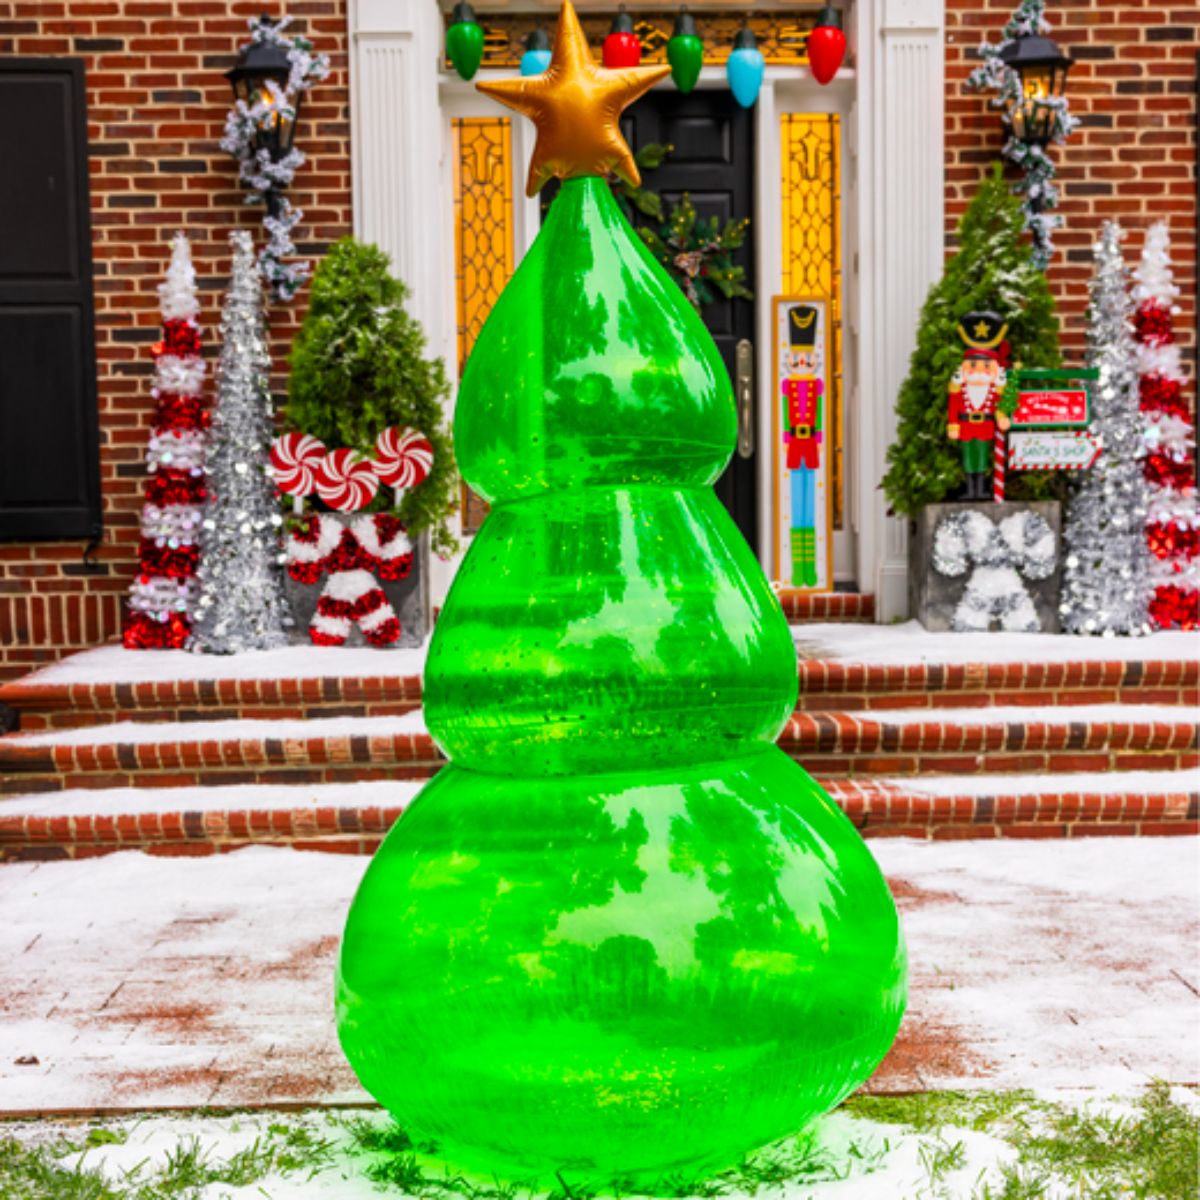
136	981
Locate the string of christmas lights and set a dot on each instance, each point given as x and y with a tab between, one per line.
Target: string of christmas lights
163	593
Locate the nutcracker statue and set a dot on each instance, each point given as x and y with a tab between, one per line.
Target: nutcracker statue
975	391
802	435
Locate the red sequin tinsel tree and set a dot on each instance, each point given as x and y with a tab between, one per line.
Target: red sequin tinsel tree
1172	522
162	594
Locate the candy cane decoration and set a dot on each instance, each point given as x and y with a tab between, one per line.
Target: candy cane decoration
354	557
345	480
404	458
294	460
999	464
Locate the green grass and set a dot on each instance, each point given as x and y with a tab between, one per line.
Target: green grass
1152	1153
1147	1150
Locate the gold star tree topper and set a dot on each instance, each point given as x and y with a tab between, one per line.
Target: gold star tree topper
576	107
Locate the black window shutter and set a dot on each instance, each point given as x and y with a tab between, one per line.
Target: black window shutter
49	424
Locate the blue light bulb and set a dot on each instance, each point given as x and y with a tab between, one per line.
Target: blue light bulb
537	53
745	67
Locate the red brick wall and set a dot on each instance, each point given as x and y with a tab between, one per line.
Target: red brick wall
1133	157
157	101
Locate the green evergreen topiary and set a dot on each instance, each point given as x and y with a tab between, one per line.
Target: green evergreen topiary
358	367
993	269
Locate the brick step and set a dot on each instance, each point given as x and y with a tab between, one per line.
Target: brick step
75	705
807	608
208	753
825	685
829	684
353	818
977	741
833	745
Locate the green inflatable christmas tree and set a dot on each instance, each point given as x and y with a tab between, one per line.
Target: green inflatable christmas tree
621	935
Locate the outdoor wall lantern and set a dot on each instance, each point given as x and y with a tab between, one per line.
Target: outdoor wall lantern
1042	70
259	64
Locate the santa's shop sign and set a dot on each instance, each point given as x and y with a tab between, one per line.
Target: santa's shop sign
1042	407
1052	450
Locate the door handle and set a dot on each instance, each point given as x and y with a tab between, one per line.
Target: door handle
744	392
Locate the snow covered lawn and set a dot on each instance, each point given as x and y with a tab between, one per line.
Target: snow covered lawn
130	982
937	1146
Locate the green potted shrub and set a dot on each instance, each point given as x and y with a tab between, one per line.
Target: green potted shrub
359	367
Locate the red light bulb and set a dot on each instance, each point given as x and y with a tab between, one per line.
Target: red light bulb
622	47
826	45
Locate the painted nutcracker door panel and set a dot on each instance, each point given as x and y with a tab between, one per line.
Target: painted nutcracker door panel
802	443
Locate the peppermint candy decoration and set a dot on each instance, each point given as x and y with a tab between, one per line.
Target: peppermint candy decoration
295	458
403	457
345	480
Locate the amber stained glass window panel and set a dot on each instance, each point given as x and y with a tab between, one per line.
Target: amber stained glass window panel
483	241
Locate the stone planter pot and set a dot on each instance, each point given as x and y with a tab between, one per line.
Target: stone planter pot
935	597
408	597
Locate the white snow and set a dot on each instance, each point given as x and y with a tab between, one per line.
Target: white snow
237	729
910	642
1053	964
1107	783
139	981
115	664
849	1157
247	797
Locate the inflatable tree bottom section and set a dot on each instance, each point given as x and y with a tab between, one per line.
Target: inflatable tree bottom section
618	977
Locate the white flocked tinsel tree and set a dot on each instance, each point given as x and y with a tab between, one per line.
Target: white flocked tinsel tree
1106	569
242	605
1173	522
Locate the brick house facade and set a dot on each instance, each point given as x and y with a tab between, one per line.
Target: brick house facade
156	105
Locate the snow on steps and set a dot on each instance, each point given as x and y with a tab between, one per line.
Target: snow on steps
911	732
842	668
829	744
353	817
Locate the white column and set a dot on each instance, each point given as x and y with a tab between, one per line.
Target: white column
899	138
397	146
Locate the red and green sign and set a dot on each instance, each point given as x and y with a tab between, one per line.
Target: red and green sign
1038	408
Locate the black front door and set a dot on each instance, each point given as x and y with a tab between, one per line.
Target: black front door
713	161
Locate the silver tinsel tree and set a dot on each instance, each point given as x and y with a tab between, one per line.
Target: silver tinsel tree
1106	579
242	605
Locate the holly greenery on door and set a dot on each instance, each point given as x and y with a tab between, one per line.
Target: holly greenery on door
697	252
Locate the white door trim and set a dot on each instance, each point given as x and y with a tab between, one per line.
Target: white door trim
898	135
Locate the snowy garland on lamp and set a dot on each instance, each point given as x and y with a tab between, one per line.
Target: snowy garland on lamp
242	605
261	173
352	556
1037	188
1172	522
997	556
163	592
1106	577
